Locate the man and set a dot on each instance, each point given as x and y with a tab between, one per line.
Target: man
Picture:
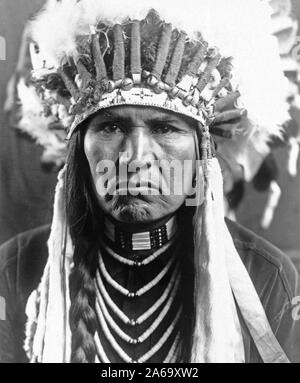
140	265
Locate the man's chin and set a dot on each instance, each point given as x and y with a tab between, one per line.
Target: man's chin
132	209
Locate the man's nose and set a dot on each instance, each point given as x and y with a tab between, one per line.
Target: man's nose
139	146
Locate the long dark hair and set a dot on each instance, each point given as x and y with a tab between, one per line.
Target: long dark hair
82	219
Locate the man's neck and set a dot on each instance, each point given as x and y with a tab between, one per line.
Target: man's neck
134	237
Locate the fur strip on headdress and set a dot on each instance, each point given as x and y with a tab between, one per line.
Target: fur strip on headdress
222	285
48	334
217	336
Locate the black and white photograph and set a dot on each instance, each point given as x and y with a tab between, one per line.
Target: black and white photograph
149	184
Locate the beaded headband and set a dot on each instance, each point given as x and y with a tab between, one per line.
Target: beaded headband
143	63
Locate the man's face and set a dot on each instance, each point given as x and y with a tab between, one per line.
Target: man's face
139	142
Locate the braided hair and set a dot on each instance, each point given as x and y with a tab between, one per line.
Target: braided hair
81	221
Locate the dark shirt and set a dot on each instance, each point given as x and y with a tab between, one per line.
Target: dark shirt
22	261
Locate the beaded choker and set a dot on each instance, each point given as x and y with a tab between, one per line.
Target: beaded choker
145	240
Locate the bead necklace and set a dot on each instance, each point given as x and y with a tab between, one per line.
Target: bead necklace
145	262
100	350
122	354
105	305
124	318
110	321
142	290
172	356
173	353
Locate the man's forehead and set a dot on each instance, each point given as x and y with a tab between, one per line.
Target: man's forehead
140	113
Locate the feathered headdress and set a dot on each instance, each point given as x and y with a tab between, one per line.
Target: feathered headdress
74	64
89	55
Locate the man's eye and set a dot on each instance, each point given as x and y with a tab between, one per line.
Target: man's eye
110	128
164	129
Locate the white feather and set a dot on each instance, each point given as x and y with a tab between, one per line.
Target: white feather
35	123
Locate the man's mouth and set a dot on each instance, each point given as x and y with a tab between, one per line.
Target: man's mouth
143	187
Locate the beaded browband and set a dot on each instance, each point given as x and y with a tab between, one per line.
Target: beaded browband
137	63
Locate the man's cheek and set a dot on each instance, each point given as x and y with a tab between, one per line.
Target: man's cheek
105	177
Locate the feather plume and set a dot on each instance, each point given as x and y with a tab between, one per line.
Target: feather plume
35	123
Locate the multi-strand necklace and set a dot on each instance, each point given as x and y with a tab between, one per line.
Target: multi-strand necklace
109	314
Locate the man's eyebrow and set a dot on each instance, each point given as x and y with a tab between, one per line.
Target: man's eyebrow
163	118
156	118
112	117
107	114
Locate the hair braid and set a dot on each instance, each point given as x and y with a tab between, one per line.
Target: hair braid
83	320
81	221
